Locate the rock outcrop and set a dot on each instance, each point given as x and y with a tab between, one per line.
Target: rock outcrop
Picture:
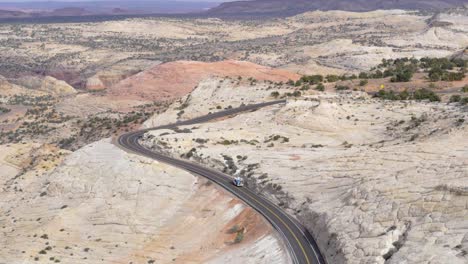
175	79
112	75
57	87
47	84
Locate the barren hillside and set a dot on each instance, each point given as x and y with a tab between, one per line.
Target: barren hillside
175	79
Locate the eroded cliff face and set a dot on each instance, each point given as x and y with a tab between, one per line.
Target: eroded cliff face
375	181
101	204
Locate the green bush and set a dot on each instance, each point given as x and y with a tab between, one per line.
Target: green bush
312	79
377	74
421	94
332	78
464	101
305	87
455	98
424	94
341	87
274	94
295	94
402	74
363	75
4	110
320	87
239	237
234	229
453	76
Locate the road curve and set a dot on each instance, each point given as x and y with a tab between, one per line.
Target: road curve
301	244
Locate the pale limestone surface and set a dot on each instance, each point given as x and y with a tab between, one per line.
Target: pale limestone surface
57	87
103	205
213	94
48	84
375	181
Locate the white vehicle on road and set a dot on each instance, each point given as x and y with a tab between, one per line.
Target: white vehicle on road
238	181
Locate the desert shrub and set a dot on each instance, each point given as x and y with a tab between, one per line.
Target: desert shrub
227	142
465	89
274	94
320	87
387	95
363	75
424	94
341	87
305	87
277	138
201	140
296	94
239	237
363	82
377	74
66	142
421	94
402	73
435	74
234	229
4	110
404	95
455	98
438	74
312	79
332	78
453	76
464	101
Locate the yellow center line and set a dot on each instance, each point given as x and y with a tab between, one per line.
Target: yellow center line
277	216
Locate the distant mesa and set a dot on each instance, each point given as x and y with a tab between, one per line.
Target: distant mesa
119	11
70	11
45	9
292	7
12	14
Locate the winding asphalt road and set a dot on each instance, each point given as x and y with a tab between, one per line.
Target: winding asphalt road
301	244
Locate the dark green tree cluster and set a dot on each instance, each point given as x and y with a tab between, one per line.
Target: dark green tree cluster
402	69
442	63
439	74
420	94
312	79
